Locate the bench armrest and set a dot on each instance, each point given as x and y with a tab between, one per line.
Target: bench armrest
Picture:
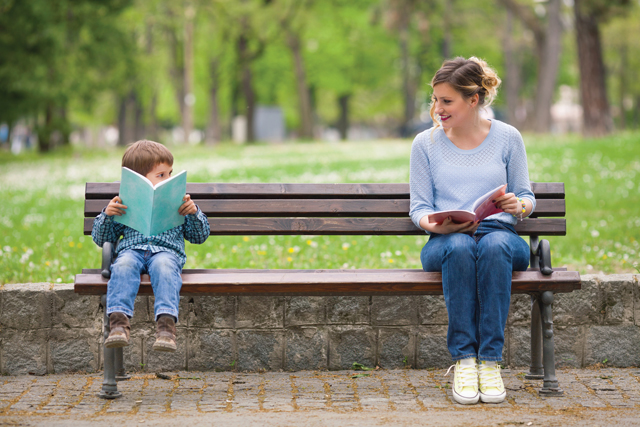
107	259
541	252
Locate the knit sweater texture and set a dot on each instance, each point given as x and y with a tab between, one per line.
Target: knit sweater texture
445	177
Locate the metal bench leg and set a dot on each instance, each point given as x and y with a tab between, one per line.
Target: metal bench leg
109	385
121	373
536	371
550	386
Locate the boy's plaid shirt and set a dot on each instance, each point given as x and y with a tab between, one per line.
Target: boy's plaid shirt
195	229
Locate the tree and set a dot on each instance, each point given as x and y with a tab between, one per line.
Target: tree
589	14
548	46
67	58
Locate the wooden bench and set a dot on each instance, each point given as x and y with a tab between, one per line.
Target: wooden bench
339	209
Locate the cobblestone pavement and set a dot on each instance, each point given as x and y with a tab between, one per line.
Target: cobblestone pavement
599	396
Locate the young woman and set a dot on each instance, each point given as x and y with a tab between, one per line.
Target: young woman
452	164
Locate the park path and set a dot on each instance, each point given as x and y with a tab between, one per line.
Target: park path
598	396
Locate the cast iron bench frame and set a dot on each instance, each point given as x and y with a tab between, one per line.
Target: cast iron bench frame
337	209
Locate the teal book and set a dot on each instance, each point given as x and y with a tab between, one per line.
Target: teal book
151	210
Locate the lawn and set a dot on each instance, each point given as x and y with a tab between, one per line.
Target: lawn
41	236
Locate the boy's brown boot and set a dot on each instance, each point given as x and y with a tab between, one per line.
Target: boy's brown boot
165	334
120	328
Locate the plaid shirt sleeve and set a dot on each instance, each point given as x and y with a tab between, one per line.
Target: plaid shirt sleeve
105	229
196	227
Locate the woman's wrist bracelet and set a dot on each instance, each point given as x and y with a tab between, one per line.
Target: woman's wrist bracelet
524	209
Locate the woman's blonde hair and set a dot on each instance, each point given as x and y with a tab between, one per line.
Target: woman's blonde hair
468	77
142	156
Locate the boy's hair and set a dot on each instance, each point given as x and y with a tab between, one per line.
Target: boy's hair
142	156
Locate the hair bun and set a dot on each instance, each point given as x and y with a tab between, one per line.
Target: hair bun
490	79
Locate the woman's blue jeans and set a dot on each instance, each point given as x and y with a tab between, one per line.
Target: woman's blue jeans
164	270
476	279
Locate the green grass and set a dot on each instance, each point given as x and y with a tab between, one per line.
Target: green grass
41	220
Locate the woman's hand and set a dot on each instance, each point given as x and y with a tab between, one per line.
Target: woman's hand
188	207
115	207
448	226
510	204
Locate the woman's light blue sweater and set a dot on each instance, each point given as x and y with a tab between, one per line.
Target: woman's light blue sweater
444	177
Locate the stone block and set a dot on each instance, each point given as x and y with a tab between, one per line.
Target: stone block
260	350
212	312
636	299
347	310
24	352
140	309
394	310
72	310
519	310
73	350
580	307
619	345
618	299
260	312
304	310
305	348
158	361
432	310
396	348
569	346
134	355
211	350
432	348
26	306
348	344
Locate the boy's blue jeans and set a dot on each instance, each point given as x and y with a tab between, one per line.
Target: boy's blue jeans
476	279
164	270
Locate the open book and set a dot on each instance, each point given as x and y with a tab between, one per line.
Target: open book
481	209
151	210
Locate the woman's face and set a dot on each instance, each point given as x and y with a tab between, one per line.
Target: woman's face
451	108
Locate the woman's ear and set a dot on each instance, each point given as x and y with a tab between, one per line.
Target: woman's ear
473	101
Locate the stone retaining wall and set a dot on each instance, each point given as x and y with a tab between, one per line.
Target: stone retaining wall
47	328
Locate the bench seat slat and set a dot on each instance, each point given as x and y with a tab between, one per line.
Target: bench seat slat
107	190
317	207
329	282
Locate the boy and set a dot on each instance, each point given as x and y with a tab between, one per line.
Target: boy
161	256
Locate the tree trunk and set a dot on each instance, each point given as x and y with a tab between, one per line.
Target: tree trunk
213	132
512	70
122	121
408	89
304	98
595	105
44	133
549	61
343	119
622	82
189	99
246	83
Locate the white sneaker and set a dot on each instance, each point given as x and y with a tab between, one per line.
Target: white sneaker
465	381
491	385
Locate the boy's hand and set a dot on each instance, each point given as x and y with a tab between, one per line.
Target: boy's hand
188	207
115	207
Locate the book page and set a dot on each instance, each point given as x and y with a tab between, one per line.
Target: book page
484	207
136	192
167	200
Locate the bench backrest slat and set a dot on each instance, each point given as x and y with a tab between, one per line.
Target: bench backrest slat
323	209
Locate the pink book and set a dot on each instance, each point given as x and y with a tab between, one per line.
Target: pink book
481	209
